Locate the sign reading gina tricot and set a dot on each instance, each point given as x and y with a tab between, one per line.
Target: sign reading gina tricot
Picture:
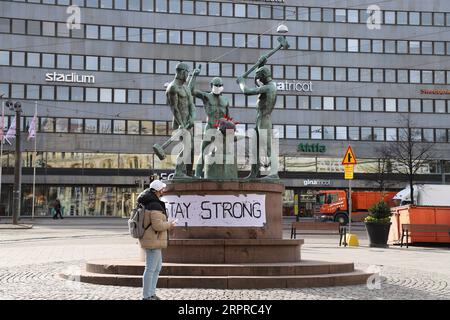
244	210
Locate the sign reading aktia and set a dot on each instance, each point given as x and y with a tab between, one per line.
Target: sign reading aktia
69	77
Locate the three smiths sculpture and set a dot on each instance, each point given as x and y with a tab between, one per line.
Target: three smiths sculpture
180	99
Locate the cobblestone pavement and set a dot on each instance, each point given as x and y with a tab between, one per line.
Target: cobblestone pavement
30	261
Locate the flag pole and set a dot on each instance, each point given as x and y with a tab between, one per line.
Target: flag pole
34	161
1	147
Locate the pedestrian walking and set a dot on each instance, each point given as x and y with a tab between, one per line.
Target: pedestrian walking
155	236
57	207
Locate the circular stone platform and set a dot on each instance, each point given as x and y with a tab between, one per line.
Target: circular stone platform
229	257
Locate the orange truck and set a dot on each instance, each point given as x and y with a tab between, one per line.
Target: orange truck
334	204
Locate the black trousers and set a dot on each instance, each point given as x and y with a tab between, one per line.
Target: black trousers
58	212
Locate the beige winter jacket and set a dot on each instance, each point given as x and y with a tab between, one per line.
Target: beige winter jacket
155	237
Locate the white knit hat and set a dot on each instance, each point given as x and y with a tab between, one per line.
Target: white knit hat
157	185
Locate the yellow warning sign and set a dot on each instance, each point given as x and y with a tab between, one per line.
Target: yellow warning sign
348	171
349	157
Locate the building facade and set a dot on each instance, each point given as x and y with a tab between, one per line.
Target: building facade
96	68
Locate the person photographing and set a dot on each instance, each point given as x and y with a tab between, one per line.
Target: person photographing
155	236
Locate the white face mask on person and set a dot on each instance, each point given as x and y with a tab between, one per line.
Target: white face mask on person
217	90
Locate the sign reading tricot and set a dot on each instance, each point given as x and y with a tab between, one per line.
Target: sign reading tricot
244	210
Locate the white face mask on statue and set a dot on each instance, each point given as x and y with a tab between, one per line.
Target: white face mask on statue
217	90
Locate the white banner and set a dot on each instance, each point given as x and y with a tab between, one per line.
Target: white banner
244	210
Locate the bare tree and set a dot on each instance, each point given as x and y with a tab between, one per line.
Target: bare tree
409	151
383	170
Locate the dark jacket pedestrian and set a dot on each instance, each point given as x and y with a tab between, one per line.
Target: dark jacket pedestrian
57	208
155	237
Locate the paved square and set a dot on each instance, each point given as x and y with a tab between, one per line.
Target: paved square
32	258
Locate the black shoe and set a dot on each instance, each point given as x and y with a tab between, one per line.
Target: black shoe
155	297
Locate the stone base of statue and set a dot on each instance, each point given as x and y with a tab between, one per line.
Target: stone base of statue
228	257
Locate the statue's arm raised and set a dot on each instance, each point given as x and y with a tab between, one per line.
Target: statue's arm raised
252	91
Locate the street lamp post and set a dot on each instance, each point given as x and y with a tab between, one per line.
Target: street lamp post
17	108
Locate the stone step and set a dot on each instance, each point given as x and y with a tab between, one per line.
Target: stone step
226	282
136	267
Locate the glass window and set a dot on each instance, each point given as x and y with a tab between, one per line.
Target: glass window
316	44
390	75
188	37
134	34
352	16
328	133
303	43
377	75
239	40
252	11
47	124
120	4
105	126
328	74
316	103
328	103
106	63
439	48
48	28
427	19
341	133
240	10
105	95
365	45
303	73
5	25
76	125
341	44
77	62
439	106
365	75
133	127
414	47
200	38
328	44
391	105
428	135
415	105
316	14
133	65
214	8
161	36
353	74
341	74
402	17
62	125
175	6
377	46
18	58
161	5
303	14
106	32
378	104
441	135
147	127
391	134
214	39
92	94
353	104
119	127
133	96
427	76
414	76
353	133
18	26
303	132
327	14
389	17
389	46
227	9
147	66
91	63
316	73
48	60
174	36
291	102
120	34
63	61
161	66
303	102
316	132
227	39
414	18
119	95
77	93
427	106
439	19
366	104
48	92
90	126
34	27
160	128
427	47
135	5
402	76
160	97
378	134
291	13
340	15
366	133
353	45
402	46
341	103
91	32
291	132
62	93
147	96
402	105
264	12
32	91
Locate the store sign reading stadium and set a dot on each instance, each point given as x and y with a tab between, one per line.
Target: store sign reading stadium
69	77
